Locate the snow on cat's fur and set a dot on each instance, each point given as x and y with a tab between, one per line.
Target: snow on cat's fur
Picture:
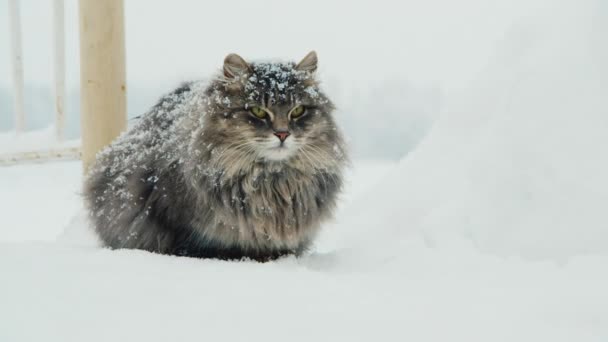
247	165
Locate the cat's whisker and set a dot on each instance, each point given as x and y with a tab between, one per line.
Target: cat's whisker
235	157
305	154
313	156
322	156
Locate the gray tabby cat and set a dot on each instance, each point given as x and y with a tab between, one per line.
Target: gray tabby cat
247	165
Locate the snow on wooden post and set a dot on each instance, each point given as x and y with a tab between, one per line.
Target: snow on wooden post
59	67
14	19
102	75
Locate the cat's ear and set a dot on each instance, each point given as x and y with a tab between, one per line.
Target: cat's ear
308	63
235	65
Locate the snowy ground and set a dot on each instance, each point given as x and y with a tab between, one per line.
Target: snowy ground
60	287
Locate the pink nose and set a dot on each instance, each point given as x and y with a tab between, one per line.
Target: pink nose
282	135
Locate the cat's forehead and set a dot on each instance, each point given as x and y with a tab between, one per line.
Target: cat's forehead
275	74
274	80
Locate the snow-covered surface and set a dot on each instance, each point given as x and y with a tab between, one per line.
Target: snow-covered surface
32	141
58	285
38	200
518	163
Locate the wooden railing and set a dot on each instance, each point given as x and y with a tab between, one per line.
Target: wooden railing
14	17
102	80
41	153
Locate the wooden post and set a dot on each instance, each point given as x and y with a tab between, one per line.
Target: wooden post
14	19
102	75
59	67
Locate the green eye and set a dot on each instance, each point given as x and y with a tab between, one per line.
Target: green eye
259	112
297	111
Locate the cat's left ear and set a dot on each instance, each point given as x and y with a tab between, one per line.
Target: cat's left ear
308	63
235	65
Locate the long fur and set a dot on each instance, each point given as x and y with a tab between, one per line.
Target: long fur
193	176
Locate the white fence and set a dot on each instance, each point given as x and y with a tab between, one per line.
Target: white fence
20	116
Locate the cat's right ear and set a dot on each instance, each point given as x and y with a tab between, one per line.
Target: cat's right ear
235	66
308	63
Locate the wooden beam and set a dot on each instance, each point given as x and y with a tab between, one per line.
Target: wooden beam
59	67
102	75
68	153
14	19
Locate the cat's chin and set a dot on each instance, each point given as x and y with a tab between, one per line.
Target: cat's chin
278	153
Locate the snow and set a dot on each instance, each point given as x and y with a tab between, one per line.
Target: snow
379	287
74	294
43	139
517	163
494	228
38	200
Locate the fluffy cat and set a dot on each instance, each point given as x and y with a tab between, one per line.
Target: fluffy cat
247	165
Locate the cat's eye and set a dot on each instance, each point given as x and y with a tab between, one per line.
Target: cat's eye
297	111
258	112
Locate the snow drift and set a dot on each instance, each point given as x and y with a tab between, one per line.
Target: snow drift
518	162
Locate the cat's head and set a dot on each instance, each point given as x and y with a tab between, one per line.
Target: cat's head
272	112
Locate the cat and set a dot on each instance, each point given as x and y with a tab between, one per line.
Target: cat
246	165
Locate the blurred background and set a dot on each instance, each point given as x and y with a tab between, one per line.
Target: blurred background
389	65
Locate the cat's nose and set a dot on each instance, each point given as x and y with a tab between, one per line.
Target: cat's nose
282	135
